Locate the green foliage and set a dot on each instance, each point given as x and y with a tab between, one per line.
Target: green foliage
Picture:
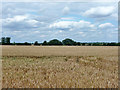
26	43
45	43
78	43
68	42
14	43
54	42
36	43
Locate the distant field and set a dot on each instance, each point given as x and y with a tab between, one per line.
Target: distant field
60	51
60	66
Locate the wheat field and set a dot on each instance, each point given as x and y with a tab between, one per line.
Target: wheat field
60	67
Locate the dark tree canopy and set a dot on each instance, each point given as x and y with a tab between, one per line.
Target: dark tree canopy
45	43
36	43
54	42
68	42
26	43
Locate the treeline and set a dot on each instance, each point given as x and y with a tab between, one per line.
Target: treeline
66	42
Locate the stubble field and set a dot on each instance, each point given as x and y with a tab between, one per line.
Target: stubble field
60	67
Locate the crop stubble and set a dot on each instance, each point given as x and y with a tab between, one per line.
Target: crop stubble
60	66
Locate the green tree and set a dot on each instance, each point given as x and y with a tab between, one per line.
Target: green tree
25	43
14	43
78	43
54	42
68	42
36	43
45	43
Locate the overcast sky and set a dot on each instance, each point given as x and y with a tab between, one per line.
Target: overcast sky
84	22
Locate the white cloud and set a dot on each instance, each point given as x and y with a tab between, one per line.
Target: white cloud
71	29
61	24
72	24
106	25
81	32
34	20
67	18
42	35
20	22
61	1
93	30
98	12
115	16
60	31
19	18
66	10
36	32
15	19
34	23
